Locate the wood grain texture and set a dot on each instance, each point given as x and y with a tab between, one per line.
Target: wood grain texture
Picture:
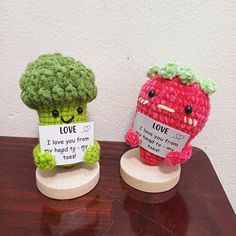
61	184
196	206
146	178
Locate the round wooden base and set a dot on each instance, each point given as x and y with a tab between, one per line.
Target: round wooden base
152	179
67	183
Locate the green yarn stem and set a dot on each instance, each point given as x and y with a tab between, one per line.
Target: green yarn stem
65	112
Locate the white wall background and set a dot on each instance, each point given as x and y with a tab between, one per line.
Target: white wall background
119	40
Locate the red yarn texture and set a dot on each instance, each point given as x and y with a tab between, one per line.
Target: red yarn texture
177	157
132	138
175	95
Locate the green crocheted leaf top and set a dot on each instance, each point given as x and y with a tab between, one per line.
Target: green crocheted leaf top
186	74
55	80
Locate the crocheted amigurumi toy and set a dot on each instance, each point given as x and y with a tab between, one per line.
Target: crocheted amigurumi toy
176	97
59	88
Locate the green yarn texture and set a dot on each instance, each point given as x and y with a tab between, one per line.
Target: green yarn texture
43	160
54	79
92	154
186	74
207	85
153	70
169	71
55	83
67	111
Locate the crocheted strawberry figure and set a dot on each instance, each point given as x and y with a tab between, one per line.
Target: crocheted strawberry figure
176	97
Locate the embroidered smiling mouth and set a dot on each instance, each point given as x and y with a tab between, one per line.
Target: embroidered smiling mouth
67	121
160	106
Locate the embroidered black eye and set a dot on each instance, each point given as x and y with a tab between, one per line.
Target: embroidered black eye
80	110
55	113
188	110
151	93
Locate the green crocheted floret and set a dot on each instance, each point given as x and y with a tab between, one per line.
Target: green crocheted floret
54	79
186	74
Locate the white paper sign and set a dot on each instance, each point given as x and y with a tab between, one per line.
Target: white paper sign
67	143
158	138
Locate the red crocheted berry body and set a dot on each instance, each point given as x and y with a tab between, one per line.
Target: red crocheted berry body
180	106
149	158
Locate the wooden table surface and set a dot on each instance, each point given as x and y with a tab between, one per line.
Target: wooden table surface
196	206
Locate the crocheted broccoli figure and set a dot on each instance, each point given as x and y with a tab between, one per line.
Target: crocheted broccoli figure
59	88
176	97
